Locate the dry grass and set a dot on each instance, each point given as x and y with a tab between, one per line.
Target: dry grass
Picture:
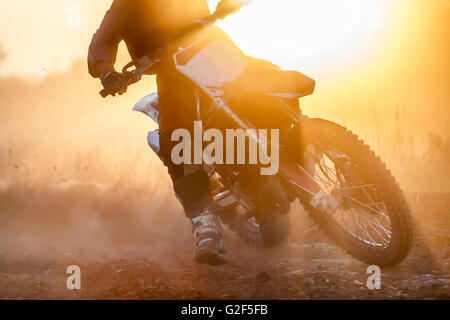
419	164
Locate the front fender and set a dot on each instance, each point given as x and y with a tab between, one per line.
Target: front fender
149	105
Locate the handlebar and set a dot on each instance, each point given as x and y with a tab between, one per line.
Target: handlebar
224	9
104	93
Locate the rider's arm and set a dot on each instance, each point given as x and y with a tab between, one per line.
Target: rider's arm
103	49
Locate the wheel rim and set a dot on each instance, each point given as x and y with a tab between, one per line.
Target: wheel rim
361	213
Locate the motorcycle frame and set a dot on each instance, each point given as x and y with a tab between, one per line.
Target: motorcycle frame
290	171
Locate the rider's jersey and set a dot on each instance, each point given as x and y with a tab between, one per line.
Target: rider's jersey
144	25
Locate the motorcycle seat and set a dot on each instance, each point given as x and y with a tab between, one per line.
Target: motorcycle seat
267	79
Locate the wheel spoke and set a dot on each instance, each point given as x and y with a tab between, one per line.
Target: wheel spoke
374	227
373	202
363	204
335	173
364	229
355	187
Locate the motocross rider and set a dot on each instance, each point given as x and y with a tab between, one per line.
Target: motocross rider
146	25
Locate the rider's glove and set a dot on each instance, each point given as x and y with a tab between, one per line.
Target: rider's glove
114	82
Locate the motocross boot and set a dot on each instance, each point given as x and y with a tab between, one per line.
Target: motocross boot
209	246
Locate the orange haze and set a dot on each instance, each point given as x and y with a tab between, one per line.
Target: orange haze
389	84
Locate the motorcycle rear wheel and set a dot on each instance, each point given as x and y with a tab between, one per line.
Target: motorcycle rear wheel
270	224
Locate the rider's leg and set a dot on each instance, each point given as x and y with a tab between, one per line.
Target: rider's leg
177	110
191	186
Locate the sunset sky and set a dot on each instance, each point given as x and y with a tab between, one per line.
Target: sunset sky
40	36
362	53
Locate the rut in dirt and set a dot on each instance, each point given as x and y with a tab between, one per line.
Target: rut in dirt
131	245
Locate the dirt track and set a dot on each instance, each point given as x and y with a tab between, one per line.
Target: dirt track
132	246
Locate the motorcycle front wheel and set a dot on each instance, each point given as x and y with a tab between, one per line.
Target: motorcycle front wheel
372	221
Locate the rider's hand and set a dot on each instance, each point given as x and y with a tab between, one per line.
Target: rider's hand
114	82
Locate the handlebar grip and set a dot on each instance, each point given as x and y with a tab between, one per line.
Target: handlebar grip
104	93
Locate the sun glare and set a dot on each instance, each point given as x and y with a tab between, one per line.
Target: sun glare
308	33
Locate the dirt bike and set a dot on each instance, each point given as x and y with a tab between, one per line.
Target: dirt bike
361	206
